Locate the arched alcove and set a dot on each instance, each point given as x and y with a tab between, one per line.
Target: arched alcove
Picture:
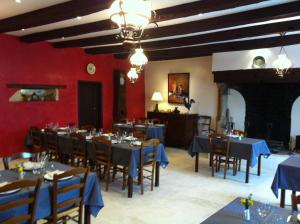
295	120
237	108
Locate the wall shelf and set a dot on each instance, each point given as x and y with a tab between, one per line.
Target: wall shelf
35	86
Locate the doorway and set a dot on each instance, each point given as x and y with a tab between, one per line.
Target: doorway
90	104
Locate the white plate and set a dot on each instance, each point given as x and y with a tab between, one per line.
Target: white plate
50	178
32	165
62	133
81	131
137	143
10	192
159	125
88	137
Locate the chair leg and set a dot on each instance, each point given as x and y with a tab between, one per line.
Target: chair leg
213	167
225	167
240	161
124	178
142	180
114	173
152	176
107	177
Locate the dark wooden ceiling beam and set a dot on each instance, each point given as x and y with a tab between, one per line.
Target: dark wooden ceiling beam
256	76
252	16
205	50
52	14
252	31
175	12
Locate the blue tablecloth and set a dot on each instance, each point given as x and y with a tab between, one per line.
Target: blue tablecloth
135	159
92	196
246	148
287	175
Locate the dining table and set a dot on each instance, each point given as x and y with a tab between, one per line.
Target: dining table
93	201
153	131
232	213
249	149
124	154
287	177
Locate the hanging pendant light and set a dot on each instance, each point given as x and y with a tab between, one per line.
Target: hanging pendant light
132	16
138	60
132	75
282	64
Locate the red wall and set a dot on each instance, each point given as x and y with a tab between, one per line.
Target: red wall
42	64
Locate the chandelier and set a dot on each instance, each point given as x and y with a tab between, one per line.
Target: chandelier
131	16
132	75
138	60
282	63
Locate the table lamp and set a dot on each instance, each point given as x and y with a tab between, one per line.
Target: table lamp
157	97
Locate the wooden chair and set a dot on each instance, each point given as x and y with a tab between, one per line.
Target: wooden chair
36	136
295	202
78	155
102	148
51	144
148	159
16	156
73	205
156	121
219	145
87	127
29	201
140	132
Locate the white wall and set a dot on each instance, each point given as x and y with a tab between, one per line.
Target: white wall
237	108
295	120
237	60
202	88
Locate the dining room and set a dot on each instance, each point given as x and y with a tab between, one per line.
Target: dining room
149	111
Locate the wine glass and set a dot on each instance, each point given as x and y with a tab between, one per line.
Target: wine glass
263	210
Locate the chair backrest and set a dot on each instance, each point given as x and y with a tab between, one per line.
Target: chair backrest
36	136
156	121
57	190
102	148
15	156
51	140
78	144
87	127
140	134
148	155
238	132
29	201
219	143
295	202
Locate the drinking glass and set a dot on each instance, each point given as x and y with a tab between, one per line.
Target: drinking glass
263	210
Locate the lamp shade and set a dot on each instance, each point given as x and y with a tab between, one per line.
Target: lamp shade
132	13
157	96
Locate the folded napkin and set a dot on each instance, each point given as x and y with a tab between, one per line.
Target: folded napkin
52	173
2	184
32	165
130	138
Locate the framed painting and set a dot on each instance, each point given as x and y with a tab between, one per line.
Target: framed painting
178	87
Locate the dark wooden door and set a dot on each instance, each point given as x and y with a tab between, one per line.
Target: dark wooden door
89	103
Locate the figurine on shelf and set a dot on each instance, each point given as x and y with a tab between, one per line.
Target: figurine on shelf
188	103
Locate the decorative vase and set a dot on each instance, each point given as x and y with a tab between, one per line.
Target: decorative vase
246	215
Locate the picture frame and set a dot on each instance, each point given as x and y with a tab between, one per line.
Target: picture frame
178	87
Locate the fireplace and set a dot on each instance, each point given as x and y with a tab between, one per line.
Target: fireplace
268	109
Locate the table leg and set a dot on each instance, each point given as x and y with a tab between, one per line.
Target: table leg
247	171
210	159
157	169
197	162
130	186
259	165
87	215
282	198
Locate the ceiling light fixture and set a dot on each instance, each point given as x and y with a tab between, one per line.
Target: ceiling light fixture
282	63
138	60
79	17
23	29
132	75
132	16
18	1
